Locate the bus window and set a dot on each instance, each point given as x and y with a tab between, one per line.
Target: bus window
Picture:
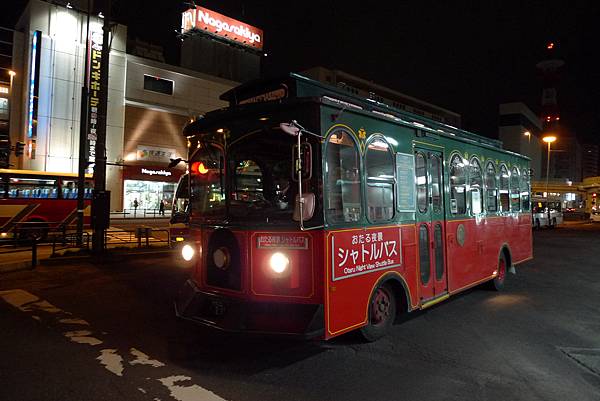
32	188
458	198
435	170
69	189
491	189
380	181
421	182
475	186
525	191
343	178
504	185
515	192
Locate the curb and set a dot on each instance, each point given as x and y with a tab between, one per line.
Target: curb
64	260
15	266
110	257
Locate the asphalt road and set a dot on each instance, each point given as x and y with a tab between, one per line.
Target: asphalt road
94	332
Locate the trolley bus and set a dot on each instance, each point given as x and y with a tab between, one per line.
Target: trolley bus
40	200
316	213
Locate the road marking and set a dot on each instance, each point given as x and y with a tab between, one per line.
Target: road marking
143	359
82	337
109	358
74	321
188	393
112	361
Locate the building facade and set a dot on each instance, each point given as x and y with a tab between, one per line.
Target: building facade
149	102
520	131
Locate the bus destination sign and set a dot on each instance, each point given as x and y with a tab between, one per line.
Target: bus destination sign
357	252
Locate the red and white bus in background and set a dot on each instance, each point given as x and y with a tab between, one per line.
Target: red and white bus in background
40	200
180	214
314	212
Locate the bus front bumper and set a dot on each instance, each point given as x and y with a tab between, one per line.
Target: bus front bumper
235	315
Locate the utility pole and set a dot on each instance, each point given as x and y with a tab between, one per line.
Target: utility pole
101	197
83	125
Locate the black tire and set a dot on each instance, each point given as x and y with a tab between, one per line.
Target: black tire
382	313
497	284
37	231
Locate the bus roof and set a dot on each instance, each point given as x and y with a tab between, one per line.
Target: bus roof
296	86
17	173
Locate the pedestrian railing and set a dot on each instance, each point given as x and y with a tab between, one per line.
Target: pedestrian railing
140	214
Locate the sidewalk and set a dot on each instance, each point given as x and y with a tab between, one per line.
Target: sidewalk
120	241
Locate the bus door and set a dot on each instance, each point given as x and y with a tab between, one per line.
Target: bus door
430	223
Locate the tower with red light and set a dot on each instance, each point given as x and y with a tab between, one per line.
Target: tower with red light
550	73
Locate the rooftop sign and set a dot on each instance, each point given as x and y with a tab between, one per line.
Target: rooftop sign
217	24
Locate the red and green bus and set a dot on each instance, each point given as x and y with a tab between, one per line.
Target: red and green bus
40	200
316	213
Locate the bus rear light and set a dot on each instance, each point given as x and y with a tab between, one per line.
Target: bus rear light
187	252
279	262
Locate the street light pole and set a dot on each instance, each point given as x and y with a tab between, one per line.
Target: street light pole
548	140
83	125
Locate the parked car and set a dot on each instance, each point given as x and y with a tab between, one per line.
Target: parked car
595	216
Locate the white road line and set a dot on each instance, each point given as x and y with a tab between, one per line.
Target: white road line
143	359
112	361
188	393
109	357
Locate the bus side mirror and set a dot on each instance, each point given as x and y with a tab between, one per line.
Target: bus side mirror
308	208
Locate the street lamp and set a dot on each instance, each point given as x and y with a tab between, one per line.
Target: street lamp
528	135
548	139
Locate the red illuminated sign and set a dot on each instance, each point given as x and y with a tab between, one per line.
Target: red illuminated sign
357	252
206	20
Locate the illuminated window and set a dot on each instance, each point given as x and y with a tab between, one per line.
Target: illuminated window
491	188
504	188
525	189
458	196
343	199
515	192
379	162
421	181
476	186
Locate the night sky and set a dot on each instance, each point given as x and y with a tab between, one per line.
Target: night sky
465	56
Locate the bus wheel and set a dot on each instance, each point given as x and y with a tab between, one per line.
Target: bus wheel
497	284
382	313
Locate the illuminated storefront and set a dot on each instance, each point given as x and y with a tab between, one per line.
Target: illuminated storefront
149	186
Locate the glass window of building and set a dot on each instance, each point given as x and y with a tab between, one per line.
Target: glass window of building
458	179
476	186
491	188
342	171
504	188
380	181
148	194
515	192
159	85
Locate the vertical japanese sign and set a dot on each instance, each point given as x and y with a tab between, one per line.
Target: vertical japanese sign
34	88
357	252
94	100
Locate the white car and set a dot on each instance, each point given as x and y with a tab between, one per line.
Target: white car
595	217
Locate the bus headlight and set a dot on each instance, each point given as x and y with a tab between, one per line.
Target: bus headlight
279	262
187	252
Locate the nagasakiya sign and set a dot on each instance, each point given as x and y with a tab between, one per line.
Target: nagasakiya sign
217	24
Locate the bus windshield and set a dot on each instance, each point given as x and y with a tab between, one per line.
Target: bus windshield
251	181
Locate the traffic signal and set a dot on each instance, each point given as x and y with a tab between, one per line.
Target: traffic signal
19	146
